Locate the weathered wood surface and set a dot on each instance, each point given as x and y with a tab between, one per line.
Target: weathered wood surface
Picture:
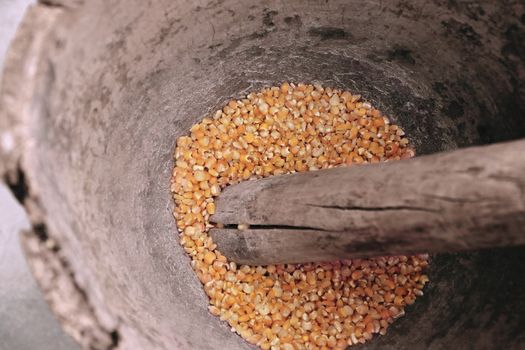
466	199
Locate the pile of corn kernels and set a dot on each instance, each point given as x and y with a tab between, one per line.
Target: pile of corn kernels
282	130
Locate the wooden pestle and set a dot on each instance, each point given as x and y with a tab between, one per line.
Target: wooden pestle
466	199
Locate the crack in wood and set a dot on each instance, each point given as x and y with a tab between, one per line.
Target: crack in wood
457	200
275	227
385	208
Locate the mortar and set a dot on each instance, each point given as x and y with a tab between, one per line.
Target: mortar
95	94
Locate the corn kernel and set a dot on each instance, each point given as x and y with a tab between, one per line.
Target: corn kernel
209	257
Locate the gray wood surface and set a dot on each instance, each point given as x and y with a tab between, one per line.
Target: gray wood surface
461	200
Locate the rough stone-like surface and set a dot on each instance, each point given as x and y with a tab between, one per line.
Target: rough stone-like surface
95	94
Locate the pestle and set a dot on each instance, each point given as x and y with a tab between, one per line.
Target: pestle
460	200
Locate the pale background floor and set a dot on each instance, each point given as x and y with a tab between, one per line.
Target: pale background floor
26	322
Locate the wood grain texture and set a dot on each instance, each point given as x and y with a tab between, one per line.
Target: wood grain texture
466	199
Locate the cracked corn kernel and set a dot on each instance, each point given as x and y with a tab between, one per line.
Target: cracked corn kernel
283	130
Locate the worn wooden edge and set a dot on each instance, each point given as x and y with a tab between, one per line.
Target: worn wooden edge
24	67
65	297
